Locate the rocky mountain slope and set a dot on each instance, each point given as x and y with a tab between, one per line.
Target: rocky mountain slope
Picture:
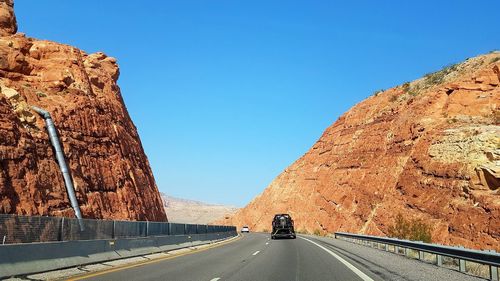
428	149
110	171
196	212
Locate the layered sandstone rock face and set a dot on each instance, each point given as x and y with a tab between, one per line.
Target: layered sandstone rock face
111	173
8	24
429	149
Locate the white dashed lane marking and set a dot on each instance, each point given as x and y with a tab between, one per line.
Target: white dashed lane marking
215	279
358	272
255	253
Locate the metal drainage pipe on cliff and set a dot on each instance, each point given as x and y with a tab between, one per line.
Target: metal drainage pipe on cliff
54	139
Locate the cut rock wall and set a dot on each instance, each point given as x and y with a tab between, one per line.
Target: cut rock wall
111	173
429	149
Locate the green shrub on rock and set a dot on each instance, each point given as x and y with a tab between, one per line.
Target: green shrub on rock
416	229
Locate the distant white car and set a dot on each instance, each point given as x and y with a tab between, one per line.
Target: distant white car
245	229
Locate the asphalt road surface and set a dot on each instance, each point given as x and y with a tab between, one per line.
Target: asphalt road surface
256	257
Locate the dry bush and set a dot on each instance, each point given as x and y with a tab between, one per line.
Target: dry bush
303	231
415	229
393	98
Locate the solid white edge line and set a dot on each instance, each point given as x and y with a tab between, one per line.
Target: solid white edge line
346	263
255	253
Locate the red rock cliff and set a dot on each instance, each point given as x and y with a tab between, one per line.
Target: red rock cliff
110	170
8	23
429	149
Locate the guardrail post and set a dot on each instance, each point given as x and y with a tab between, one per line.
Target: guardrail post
147	228
169	228
420	255
185	229
461	265
493	273
61	230
113	230
439	260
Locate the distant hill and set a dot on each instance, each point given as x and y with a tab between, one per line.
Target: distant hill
190	211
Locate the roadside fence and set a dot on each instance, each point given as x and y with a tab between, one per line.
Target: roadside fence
15	229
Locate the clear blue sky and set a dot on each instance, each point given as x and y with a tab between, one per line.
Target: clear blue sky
226	94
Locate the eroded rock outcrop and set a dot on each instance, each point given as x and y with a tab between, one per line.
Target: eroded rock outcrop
8	23
428	149
110	170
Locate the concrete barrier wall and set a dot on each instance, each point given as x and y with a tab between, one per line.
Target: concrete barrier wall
21	259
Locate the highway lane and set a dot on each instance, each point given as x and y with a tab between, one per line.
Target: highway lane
253	257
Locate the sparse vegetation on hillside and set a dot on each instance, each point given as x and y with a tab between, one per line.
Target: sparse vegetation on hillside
317	232
437	77
412	93
406	86
415	229
429	80
409	90
378	92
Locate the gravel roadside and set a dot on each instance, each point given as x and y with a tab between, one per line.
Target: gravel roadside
390	266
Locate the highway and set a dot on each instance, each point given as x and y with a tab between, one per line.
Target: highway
255	256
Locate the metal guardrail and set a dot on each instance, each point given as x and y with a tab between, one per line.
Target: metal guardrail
488	258
15	229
